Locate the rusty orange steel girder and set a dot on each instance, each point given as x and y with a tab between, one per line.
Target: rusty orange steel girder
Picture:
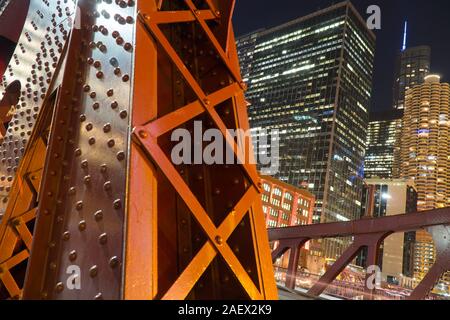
92	205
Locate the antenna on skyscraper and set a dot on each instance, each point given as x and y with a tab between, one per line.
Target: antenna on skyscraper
405	36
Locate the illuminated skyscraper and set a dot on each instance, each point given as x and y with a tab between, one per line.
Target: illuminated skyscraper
425	155
413	65
311	79
384	131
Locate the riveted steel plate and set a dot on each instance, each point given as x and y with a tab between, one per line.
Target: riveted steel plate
33	65
81	213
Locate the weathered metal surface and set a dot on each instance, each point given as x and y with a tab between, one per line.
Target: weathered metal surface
17	226
209	217
33	64
41	30
82	209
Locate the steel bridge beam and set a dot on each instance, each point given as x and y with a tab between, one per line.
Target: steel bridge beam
367	233
117	78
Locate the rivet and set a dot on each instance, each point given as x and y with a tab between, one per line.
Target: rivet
127	46
72	255
107	128
120	155
143	134
98	296
59	287
93	271
107	185
79	205
123	114
82	225
98	215
218	240
117	204
103	238
114	262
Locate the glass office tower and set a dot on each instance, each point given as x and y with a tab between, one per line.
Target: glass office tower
383	134
413	65
311	79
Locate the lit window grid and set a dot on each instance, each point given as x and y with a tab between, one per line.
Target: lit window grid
283	207
413	66
425	157
381	143
293	88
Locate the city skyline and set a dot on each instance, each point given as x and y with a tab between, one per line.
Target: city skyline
421	31
292	70
150	150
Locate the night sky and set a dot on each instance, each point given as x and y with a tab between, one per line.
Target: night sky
429	24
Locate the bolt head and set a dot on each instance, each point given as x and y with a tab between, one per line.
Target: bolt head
219	240
143	134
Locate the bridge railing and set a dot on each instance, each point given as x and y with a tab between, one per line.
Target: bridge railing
369	234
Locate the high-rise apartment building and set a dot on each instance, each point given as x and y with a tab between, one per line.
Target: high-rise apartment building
384	130
425	155
425	152
311	79
413	65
